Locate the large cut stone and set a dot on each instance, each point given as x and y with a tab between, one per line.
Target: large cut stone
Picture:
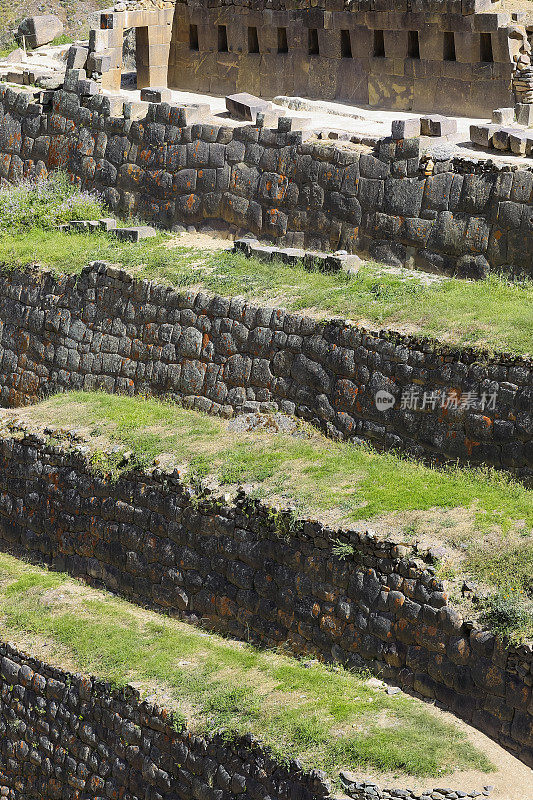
246	106
134	234
405	128
482	134
77	57
156	94
40	30
437	125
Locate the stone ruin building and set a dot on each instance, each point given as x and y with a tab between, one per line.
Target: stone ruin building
462	57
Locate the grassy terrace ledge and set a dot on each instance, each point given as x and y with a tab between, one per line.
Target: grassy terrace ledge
325	716
267	578
476	523
492	314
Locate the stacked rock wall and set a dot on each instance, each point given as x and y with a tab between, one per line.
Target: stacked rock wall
104	330
467	216
68	736
261	575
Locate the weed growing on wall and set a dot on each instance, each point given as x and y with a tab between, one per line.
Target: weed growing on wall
509	614
343	550
114	463
45	203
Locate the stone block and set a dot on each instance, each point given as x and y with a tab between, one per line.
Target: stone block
14	57
50	81
246	106
300	123
315	261
291	255
112	106
269	118
518	141
77	57
107	224
503	116
135	110
72	77
243	245
405	128
85	224
98	62
437	125
183	116
482	134
263	252
500	138
40	29
134	234
524	114
87	88
15	77
156	94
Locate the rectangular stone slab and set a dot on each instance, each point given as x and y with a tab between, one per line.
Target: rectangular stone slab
482	134
246	106
134	234
156	94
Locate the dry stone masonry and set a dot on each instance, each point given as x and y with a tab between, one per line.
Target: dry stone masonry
74	737
251	572
104	330
170	166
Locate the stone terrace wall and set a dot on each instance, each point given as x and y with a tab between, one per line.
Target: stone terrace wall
254	574
68	736
104	330
468	216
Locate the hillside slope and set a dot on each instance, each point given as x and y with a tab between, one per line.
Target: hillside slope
73	13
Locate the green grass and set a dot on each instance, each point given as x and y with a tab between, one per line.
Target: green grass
326	716
493	313
9	46
483	514
61	39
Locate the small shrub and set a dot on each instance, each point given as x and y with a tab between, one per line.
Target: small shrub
342	549
63	38
508	614
46	203
112	464
179	722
